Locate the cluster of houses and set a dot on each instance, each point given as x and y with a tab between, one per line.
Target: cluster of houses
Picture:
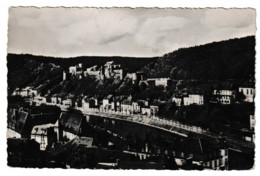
127	105
110	104
220	96
124	106
65	127
46	128
188	100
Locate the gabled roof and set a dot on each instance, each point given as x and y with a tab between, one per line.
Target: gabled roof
21	120
17	120
71	122
41	129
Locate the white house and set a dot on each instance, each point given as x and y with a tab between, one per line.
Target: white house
160	81
248	92
85	105
45	134
193	99
24	92
222	96
72	70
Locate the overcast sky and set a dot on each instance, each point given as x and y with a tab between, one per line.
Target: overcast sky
141	32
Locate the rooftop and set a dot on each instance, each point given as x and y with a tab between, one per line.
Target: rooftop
71	122
36	129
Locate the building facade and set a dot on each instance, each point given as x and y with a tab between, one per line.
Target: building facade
248	92
193	99
45	135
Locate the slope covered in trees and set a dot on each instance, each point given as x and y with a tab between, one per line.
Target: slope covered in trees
29	70
231	59
24	72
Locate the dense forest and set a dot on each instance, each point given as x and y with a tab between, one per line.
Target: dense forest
231	59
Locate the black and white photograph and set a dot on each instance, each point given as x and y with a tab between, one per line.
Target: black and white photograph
131	88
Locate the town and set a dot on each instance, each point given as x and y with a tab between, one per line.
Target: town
50	126
131	88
